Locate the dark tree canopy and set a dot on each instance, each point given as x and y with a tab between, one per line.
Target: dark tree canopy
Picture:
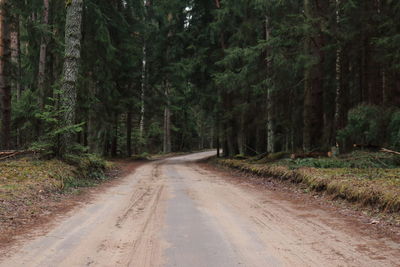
131	76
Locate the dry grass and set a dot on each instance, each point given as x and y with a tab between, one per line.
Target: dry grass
28	186
374	187
20	177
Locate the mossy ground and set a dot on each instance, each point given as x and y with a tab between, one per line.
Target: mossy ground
28	186
371	179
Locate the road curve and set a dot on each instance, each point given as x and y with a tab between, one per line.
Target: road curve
175	213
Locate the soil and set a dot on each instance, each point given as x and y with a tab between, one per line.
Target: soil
176	212
51	205
374	220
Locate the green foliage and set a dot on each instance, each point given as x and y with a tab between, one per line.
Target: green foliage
141	156
357	159
277	156
219	68
88	166
240	157
365	126
394	130
144	155
68	3
51	119
24	116
319	163
379	188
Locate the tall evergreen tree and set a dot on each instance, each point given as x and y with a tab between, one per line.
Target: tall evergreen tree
73	33
5	77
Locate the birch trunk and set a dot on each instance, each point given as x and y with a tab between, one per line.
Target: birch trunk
5	85
147	3
143	92
42	57
338	75
167	122
72	56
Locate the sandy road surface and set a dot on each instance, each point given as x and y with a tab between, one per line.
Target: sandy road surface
175	213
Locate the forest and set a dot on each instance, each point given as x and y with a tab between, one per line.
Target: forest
199	132
123	77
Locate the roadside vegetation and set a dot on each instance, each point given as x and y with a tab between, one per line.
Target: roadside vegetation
84	79
30	187
368	178
33	186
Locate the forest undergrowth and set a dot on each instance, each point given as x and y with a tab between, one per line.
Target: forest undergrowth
32	187
365	178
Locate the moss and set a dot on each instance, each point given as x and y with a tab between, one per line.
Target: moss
375	187
26	177
357	159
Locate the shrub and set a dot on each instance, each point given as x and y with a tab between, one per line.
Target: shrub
240	156
88	166
142	156
278	155
394	130
365	124
49	143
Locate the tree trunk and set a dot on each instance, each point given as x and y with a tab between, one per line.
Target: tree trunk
270	123
16	53
73	33
114	141
42	57
143	92
241	136
15	48
338	70
167	122
313	85
93	138
217	133
5	85
129	134
270	101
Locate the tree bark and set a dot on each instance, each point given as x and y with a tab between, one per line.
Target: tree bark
72	56
129	133
167	122
338	76
93	138
42	57
313	85
217	131
15	47
143	92
5	85
114	141
270	101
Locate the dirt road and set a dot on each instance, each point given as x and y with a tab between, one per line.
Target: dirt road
176	213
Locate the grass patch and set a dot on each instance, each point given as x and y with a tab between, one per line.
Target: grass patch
354	177
26	184
357	159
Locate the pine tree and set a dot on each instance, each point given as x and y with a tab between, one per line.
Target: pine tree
5	79
71	68
313	77
43	56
